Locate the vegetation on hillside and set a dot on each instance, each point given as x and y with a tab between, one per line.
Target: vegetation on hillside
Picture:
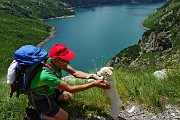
159	46
19	24
17	31
163	38
41	9
137	86
158	49
125	57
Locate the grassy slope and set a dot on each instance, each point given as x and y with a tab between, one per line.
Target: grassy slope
170	58
16	32
140	87
143	88
128	55
40	9
168	91
152	18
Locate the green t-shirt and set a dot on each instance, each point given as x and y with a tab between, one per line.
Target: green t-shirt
44	77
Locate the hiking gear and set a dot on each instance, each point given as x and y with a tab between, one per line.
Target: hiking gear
49	90
61	51
50	75
11	74
29	61
30	55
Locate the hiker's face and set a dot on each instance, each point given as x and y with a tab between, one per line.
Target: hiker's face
62	64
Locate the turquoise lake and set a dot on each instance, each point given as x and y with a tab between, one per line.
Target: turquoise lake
97	34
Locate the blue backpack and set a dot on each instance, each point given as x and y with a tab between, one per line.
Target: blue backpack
29	60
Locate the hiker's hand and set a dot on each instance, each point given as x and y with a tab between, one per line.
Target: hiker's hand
101	84
95	77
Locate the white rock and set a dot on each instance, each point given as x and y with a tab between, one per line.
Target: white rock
131	110
160	74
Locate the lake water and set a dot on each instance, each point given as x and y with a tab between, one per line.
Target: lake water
97	34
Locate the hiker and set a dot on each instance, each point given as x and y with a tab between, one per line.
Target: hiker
46	101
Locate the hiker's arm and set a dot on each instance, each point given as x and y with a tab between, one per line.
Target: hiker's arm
73	89
76	73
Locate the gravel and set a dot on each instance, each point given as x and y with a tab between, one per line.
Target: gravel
170	113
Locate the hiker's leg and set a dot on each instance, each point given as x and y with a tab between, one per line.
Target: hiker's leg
50	110
44	117
61	115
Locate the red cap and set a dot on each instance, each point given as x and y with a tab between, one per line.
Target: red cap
61	51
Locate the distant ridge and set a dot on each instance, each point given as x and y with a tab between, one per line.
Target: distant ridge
84	3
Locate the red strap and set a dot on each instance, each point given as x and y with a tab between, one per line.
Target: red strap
49	65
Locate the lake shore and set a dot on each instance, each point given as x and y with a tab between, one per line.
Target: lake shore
51	35
63	17
143	27
53	31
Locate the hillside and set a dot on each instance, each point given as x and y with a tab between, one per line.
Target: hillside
17	31
20	24
159	46
41	9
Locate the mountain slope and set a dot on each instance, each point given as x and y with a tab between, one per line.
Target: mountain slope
17	31
159	46
20	24
41	9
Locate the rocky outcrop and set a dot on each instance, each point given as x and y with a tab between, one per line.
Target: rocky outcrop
159	46
156	41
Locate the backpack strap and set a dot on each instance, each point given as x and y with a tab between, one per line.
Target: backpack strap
49	68
45	87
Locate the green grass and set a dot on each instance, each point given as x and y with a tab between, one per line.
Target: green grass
152	19
139	87
143	88
90	102
35	9
11	108
149	22
18	31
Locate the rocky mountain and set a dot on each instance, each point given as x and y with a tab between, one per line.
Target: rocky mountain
159	46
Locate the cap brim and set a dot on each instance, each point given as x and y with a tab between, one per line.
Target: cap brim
69	56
